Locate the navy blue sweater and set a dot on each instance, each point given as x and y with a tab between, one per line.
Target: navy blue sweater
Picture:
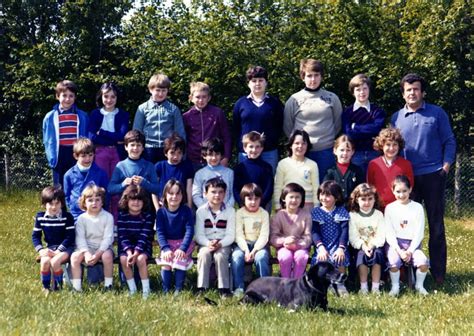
174	226
267	119
135	232
254	171
58	231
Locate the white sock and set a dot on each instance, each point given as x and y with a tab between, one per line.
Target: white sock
375	285
76	284
364	285
132	286
108	282
146	285
420	278
395	278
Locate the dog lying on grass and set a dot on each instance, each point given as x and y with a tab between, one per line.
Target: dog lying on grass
309	291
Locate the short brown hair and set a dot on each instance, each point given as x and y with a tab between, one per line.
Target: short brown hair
412	78
389	134
292	187
256	72
357	81
332	188
134	136
363	189
174	142
52	193
134	192
249	190
253	136
170	184
159	80
310	64
65	85
83	146
89	191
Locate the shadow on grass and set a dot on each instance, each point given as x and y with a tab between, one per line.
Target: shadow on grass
456	283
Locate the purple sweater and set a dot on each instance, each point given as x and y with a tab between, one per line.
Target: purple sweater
201	125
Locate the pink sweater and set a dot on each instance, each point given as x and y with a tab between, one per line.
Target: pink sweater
282	226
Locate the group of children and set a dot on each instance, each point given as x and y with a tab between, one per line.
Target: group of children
158	172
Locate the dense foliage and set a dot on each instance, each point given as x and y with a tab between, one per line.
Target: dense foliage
90	41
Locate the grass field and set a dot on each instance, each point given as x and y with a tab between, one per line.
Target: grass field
24	310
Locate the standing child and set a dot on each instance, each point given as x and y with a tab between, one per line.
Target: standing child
158	118
405	225
316	111
212	151
362	121
176	167
259	112
134	169
135	236
345	173
386	167
367	235
108	125
58	230
290	232
215	233
254	170
252	229
174	231
94	237
330	229
297	168
84	173
61	127
204	121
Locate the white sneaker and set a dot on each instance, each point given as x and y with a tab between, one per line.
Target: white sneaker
342	290
145	295
238	292
363	291
394	291
421	290
375	291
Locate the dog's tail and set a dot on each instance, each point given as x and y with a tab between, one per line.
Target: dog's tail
210	301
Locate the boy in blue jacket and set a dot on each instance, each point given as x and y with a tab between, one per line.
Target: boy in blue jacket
63	125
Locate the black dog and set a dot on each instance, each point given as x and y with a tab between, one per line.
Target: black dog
309	291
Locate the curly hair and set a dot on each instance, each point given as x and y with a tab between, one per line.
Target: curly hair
389	134
362	190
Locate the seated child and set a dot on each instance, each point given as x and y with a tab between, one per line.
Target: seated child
367	235
330	229
212	151
362	121
135	236
61	127
405	227
174	231
297	168
252	229
290	232
57	227
134	169
386	167
205	121
177	167
253	169
84	173
94	237
214	234
158	118
345	173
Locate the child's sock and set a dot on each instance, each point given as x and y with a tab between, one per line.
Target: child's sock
58	280
420	278
179	277
375	286
166	276
76	284
132	286
146	285
108	282
364	286
395	278
46	279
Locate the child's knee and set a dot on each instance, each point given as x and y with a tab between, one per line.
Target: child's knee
142	259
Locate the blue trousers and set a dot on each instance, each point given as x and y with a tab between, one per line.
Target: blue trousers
261	261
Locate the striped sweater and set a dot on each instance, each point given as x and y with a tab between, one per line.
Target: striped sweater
57	230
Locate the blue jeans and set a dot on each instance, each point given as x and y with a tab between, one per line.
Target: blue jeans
325	160
271	157
262	264
362	159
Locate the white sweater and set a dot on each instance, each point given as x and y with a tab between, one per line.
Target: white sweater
368	229
208	228
94	232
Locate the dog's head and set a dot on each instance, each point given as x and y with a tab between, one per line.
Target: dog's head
324	274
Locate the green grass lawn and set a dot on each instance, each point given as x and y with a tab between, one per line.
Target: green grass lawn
24	310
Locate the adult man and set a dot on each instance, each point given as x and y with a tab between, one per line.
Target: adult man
430	146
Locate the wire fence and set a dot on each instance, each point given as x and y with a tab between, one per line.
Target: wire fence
32	173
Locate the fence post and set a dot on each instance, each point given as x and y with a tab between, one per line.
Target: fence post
7	177
457	184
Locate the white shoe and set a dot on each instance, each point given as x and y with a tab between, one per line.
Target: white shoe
363	291
342	290
375	291
238	292
421	290
145	295
394	291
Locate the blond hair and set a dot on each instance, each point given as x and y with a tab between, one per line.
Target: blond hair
159	80
83	146
90	191
198	86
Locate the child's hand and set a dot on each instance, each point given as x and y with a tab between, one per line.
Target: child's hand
44	252
249	256
339	255
168	256
179	254
128	181
323	254
406	256
137	180
367	250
